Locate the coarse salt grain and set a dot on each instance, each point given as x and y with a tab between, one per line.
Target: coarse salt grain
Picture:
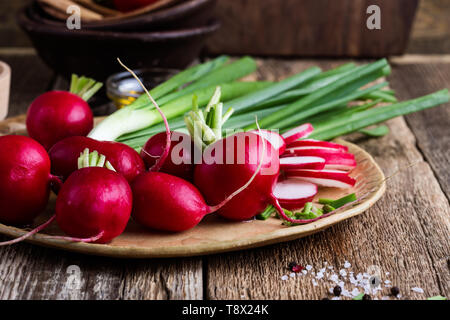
308	267
385	298
342	272
304	271
284	278
347	265
292	275
387	281
417	289
336	298
355	292
314	282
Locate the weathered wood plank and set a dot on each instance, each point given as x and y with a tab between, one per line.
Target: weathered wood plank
32	272
431	127
406	234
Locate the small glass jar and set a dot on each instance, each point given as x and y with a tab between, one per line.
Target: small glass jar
122	88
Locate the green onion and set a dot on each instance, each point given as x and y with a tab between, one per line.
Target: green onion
266	213
336	90
373	116
129	119
243	103
84	87
224	74
339	202
376	132
178	80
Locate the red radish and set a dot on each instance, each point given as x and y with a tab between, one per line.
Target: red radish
64	156
324	178
180	162
94	201
56	115
165	202
334	159
25	179
317	143
297	133
290	163
293	193
275	140
241	153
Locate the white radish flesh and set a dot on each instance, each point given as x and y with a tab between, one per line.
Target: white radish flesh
275	140
297	133
317	143
293	193
334	159
302	163
323	178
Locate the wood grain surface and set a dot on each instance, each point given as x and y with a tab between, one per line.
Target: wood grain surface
312	28
406	233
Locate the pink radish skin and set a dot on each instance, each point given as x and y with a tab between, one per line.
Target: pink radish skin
217	181
334	159
180	161
25	180
169	203
64	156
294	194
56	115
165	202
276	140
94	201
289	163
317	143
297	133
324	178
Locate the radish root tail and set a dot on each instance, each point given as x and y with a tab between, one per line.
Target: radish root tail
29	234
157	166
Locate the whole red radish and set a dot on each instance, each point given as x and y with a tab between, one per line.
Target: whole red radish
165	202
180	161
129	5
25	179
65	153
241	153
94	201
56	115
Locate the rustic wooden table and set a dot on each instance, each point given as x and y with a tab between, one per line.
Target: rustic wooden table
406	234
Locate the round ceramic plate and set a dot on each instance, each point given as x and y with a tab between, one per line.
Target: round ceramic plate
213	234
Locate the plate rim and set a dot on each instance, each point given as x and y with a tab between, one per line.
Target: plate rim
272	237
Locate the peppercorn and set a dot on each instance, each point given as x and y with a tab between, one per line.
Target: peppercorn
337	291
292	265
366	297
395	291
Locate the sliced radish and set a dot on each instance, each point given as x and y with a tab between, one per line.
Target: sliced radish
275	140
334	159
293	193
302	163
324	178
297	133
317	143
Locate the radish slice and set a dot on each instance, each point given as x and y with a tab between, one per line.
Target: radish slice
297	133
324	178
317	143
302	163
275	140
293	193
334	159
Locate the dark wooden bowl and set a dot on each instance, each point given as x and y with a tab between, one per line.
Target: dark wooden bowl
188	13
93	53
